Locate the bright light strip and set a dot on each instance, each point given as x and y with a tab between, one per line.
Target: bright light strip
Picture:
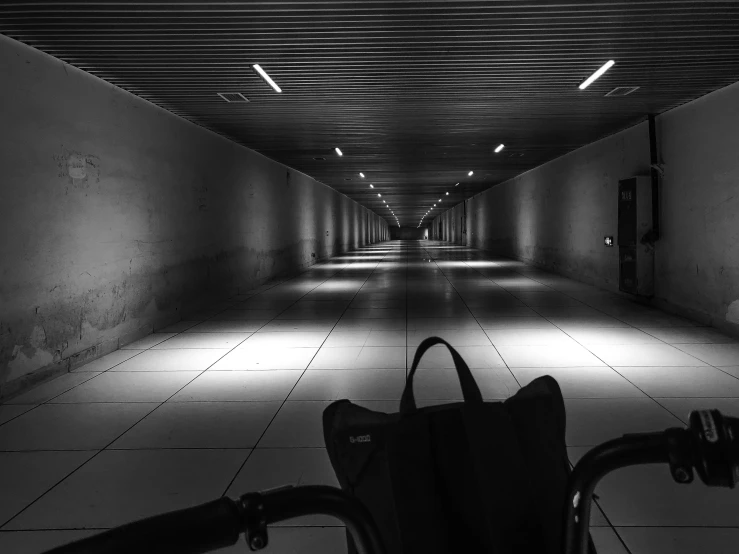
447	194
605	67
384	202
378	194
372	186
266	77
361	175
470	174
338	151
456	185
499	148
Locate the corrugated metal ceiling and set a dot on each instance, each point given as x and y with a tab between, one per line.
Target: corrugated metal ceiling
415	93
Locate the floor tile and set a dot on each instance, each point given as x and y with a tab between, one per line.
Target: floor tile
335	384
381	357
682	382
375	313
228	326
561	355
9	412
297	425
680	540
352	338
611	335
696	335
51	389
575	323
714	354
184	359
285	340
201	425
593	421
148	341
352	325
457	338
606	541
106	362
442	323
38	542
239	386
643	355
513	337
265	358
582	382
503	311
378	337
25	476
203	340
71	426
177	327
681	407
300	325
147	482
268	468
438	357
515	323
443	384
235	314
124	386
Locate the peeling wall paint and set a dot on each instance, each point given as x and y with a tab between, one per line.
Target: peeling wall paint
116	216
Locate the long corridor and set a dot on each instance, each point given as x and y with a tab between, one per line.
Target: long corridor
230	400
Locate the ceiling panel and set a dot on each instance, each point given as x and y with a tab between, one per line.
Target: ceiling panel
415	93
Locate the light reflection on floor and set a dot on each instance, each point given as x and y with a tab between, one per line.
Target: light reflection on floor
230	399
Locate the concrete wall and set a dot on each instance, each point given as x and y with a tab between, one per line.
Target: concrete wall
556	215
116	216
449	226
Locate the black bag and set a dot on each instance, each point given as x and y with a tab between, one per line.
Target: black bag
471	476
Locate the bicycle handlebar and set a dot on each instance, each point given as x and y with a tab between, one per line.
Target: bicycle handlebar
710	444
219	523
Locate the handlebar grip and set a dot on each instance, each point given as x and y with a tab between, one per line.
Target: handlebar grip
194	530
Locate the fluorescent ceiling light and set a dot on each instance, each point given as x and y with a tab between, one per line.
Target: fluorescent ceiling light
605	67
499	148
361	175
266	77
384	202
338	151
372	186
447	194
470	174
378	194
456	185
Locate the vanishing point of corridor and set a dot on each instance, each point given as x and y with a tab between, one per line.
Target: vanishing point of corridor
230	399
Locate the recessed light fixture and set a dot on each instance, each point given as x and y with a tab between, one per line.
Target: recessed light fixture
372	186
447	194
361	175
499	148
378	194
267	78
470	174
605	67
439	199
338	151
384	202
456	185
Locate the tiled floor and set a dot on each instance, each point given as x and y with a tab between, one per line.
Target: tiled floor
230	400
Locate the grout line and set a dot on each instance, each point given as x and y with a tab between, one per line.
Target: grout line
274	417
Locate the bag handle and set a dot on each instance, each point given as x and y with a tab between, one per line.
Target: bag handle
470	390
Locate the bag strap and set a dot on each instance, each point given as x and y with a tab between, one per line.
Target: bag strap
470	391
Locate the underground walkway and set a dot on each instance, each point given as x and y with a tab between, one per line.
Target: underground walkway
230	400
